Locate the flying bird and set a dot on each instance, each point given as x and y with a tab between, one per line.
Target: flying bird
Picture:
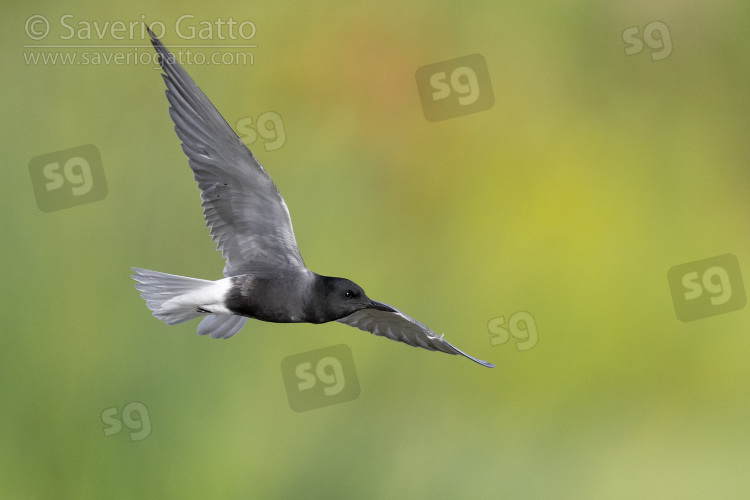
265	276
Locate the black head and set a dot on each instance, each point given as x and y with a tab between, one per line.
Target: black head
344	297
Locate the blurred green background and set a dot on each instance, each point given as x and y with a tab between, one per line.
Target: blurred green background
593	174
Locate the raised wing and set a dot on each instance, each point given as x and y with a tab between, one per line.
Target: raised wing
248	218
402	328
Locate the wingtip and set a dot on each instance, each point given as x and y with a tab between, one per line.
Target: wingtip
165	57
480	361
476	360
150	33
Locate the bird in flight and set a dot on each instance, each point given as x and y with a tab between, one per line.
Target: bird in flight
265	276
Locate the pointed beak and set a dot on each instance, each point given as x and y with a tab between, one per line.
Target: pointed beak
374	304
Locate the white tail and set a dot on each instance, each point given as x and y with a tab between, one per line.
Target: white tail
176	299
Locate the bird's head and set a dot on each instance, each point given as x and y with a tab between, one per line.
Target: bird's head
344	297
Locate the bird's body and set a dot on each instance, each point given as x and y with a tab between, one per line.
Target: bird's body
265	276
277	298
291	297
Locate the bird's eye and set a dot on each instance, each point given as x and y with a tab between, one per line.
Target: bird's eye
348	294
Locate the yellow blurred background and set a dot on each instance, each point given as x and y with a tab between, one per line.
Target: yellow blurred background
592	175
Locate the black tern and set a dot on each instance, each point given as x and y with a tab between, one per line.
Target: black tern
265	276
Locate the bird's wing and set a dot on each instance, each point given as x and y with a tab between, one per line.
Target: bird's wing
402	328
248	218
221	326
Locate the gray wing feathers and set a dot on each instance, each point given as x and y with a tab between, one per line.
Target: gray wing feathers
221	326
402	328
248	218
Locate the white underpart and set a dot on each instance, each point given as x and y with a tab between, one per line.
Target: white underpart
209	297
